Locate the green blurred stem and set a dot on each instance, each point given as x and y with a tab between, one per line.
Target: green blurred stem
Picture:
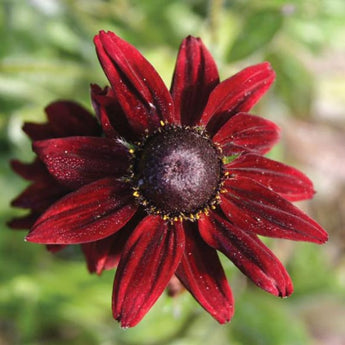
214	15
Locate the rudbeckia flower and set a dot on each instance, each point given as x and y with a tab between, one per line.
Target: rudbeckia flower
179	176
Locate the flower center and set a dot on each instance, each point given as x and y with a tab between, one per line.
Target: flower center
177	172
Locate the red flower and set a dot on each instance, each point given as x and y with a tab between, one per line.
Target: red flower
196	178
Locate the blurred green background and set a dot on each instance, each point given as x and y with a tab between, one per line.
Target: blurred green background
46	53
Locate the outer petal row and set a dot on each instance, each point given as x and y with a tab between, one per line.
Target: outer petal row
65	119
40	195
34	171
24	222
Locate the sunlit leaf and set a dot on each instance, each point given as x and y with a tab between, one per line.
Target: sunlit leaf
294	83
263	321
258	30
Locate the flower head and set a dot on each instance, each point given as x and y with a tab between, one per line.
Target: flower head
177	176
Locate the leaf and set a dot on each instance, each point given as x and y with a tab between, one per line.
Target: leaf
294	83
275	326
258	30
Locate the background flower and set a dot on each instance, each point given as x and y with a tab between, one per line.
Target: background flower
39	66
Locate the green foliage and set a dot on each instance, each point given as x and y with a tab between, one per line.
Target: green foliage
266	322
310	272
294	83
257	32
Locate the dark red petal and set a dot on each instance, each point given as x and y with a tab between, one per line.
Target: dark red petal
95	211
54	248
248	253
245	132
105	254
174	287
96	253
39	195
236	94
148	261
253	207
38	131
65	119
101	103
139	89
201	272
24	222
108	110
195	76
68	119
30	171
289	182
77	161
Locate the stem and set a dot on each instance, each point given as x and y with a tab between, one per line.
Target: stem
215	10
